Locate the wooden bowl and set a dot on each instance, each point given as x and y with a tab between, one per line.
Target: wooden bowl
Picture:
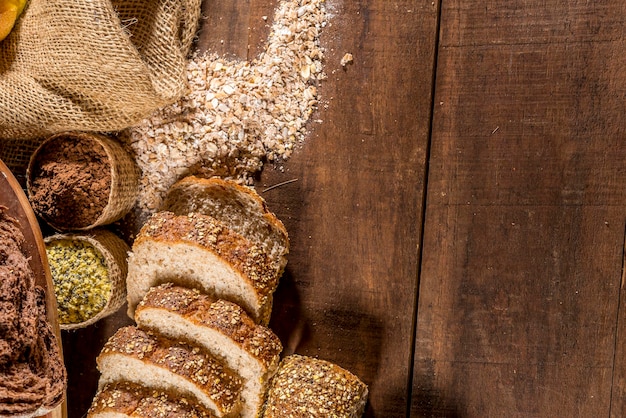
14	199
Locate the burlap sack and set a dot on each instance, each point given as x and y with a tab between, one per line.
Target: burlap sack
92	65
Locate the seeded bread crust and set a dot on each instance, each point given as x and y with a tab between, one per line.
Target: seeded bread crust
309	387
135	355
125	399
207	234
223	328
227	318
239	207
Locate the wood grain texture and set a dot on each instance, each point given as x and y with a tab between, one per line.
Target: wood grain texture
235	29
520	310
354	210
524	227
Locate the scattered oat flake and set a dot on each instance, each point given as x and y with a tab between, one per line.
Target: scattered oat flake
237	114
346	59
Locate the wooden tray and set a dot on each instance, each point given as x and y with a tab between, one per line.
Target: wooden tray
12	196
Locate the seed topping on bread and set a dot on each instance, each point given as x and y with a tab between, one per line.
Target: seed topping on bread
189	362
226	317
205	231
306	386
223	328
133	400
240	207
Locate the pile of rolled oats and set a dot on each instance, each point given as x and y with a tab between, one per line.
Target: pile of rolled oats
237	114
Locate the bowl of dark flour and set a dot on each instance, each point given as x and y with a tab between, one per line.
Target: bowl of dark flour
78	181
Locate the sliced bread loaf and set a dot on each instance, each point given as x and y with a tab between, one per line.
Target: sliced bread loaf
221	327
126	400
198	251
140	357
239	207
308	387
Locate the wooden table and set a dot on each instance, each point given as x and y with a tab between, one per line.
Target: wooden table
458	219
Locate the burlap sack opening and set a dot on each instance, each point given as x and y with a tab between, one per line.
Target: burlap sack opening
124	179
115	252
93	65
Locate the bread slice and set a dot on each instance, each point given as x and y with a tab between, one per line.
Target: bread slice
126	400
198	251
308	387
144	358
239	207
223	328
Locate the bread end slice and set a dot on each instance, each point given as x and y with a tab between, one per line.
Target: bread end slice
306	386
239	207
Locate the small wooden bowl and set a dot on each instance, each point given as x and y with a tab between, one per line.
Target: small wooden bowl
122	193
114	250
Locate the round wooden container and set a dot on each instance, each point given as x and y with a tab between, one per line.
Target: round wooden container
122	193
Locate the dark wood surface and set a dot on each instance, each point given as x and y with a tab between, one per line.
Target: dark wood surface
519	306
457	219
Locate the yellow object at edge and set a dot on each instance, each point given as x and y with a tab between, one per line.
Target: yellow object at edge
9	12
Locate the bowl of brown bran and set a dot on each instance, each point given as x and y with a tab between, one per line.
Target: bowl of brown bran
78	181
